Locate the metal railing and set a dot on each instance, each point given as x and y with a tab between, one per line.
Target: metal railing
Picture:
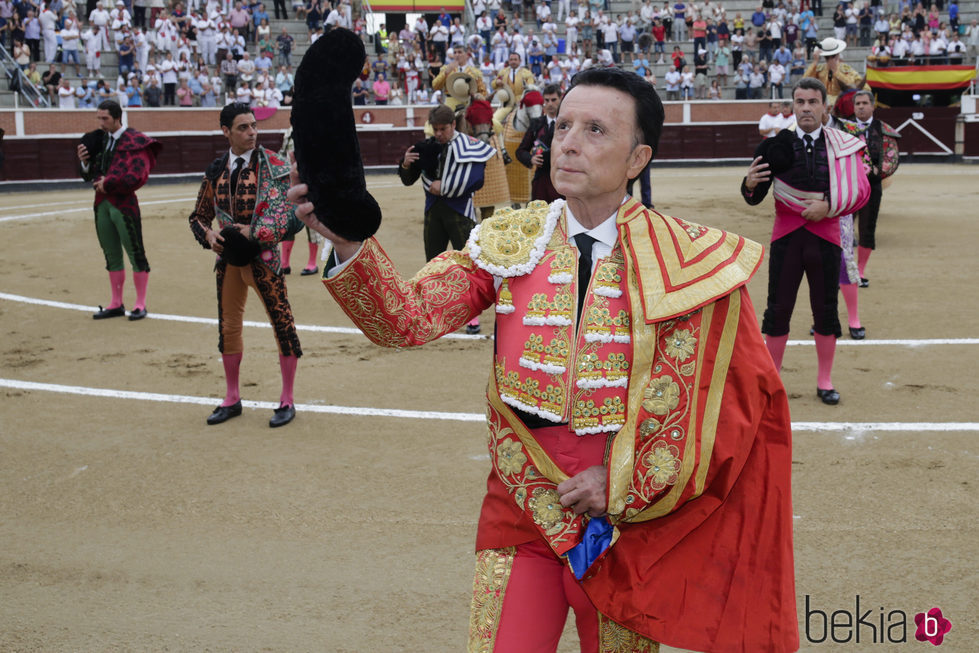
18	82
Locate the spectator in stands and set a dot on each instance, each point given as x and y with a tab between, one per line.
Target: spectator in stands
185	96
69	43
52	81
32	34
84	95
240	20
66	95
134	95
284	79
168	74
770	122
798	66
672	81
776	77
22	54
229	72
126	51
722	63
381	89
756	83
956	50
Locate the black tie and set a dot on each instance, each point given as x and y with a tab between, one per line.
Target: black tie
584	243
235	172
810	155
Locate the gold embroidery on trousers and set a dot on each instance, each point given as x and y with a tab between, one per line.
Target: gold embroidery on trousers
493	567
613	638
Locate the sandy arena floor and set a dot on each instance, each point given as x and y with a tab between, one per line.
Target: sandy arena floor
127	524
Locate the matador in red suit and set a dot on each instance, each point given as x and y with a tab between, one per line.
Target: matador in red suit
639	434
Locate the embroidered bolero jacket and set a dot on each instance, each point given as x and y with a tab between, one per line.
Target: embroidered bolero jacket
667	362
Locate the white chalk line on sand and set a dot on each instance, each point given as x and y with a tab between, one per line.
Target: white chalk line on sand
462	336
361	411
45	214
210	320
87	206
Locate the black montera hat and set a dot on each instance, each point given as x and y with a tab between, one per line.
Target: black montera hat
325	135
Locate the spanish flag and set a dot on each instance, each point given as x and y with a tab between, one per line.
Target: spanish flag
920	78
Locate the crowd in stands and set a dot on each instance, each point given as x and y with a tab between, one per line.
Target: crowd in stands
213	51
205	55
704	48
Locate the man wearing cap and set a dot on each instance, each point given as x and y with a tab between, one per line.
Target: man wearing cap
818	175
835	75
515	77
245	190
118	165
535	148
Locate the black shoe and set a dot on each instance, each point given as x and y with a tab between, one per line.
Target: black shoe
858	333
224	413
104	313
137	314
286	270
831	396
472	329
864	283
307	271
282	416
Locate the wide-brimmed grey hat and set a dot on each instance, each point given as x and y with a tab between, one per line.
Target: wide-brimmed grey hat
830	46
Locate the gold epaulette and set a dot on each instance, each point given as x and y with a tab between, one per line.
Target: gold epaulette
681	266
512	242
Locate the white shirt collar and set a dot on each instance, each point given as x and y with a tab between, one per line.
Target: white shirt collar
606	233
815	134
117	134
247	156
866	123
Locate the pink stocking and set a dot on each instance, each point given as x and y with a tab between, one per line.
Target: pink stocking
140	279
849	291
117	279
232	363
311	263
825	349
287	251
776	347
287	365
863	255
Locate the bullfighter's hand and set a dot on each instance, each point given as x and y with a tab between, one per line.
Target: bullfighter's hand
585	492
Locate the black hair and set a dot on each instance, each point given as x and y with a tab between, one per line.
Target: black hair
649	108
812	84
551	89
112	107
232	111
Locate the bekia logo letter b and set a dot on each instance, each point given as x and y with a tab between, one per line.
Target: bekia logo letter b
932	626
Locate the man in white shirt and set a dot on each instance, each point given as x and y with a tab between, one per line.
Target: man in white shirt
69	44
672	79
207	39
776	76
66	95
49	23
